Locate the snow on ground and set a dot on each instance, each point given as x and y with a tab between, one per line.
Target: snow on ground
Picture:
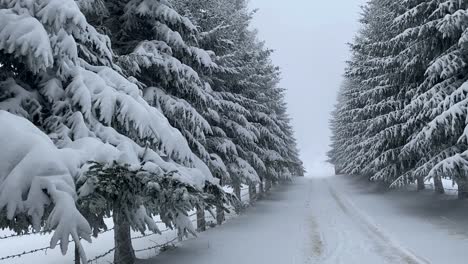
329	220
275	230
337	219
99	245
430	226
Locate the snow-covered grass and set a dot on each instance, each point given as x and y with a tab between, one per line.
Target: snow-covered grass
99	246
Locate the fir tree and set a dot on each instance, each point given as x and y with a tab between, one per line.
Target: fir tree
58	72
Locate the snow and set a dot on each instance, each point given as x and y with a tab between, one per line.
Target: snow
101	244
119	102
22	101
333	220
339	219
162	10
34	175
24	35
243	170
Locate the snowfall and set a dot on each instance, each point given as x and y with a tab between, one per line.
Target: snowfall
335	219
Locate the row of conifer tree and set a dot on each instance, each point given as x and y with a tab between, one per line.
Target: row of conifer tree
401	115
131	109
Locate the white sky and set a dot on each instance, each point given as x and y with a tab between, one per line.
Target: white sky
309	38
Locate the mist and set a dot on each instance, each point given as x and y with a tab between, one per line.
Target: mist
310	42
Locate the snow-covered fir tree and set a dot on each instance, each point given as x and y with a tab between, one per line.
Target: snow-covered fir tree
434	112
247	84
130	109
417	93
374	101
59	73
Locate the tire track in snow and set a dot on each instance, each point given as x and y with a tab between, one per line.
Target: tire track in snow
315	238
337	241
316	243
386	246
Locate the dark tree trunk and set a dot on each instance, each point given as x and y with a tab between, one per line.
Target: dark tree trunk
77	254
462	189
237	191
219	210
201	222
420	182
261	189
252	192
438	186
267	185
219	215
124	253
337	170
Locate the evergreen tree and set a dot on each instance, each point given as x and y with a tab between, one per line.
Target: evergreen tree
408	110
58	72
374	99
130	107
247	80
435	113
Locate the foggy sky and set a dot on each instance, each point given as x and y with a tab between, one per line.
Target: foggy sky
309	38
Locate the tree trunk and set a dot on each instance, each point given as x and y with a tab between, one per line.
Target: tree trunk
219	210
77	255
201	222
267	185
420	182
337	170
438	186
124	253
252	192
462	189
261	190
237	191
219	215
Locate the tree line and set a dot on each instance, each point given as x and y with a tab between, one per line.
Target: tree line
134	108
401	115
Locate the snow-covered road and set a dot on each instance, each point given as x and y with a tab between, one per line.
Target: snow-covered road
334	220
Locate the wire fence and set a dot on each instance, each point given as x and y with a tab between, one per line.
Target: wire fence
32	251
95	259
24	253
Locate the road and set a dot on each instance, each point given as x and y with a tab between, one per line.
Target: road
333	220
